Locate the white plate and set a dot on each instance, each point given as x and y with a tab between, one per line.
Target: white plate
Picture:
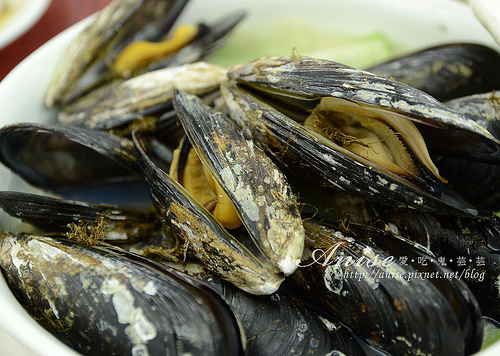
409	24
23	17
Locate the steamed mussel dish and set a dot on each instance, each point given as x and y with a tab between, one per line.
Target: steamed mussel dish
286	205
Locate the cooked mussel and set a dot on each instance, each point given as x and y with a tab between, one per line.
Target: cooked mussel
446	71
57	158
86	62
280	325
483	108
244	176
358	133
415	255
306	81
345	274
208	39
468	246
143	96
102	301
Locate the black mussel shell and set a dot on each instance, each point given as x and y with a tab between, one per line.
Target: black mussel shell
303	81
463	302
258	189
106	302
74	162
257	256
446	71
483	108
142	99
82	110
218	250
280	325
54	215
85	64
383	300
303	153
476	181
470	247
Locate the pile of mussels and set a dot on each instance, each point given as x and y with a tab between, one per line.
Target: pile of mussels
288	205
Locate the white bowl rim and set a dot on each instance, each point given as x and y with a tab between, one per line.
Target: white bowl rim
22	20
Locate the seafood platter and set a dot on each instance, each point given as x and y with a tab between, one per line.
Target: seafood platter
209	178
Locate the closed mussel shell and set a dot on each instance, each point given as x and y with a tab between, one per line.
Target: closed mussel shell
74	162
460	297
468	246
102	302
483	108
279	324
375	295
476	181
446	71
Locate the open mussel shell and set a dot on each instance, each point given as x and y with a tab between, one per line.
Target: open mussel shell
54	215
446	71
381	299
258	189
305	153
144	95
262	197
303	81
209	39
98	102
102	301
220	252
86	62
73	162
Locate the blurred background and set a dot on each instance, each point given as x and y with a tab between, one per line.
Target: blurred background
59	15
